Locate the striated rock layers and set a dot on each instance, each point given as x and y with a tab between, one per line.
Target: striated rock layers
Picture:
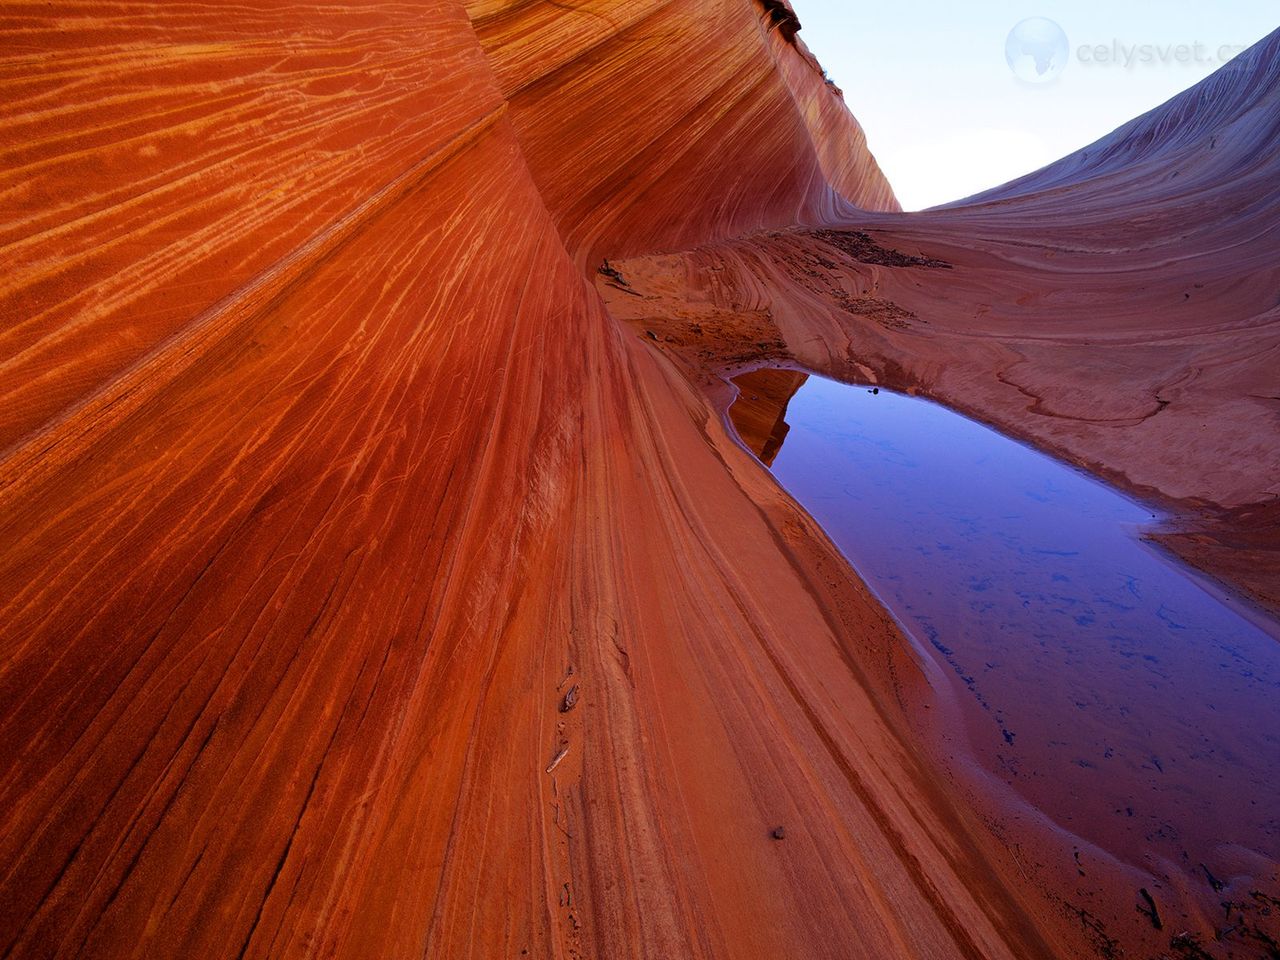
326	474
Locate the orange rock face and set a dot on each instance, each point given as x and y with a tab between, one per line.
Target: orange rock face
326	472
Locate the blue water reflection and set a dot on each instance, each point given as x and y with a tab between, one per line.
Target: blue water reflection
1105	684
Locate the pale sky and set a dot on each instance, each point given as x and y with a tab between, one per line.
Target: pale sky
946	117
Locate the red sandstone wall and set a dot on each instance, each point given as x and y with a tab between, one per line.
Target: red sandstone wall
322	466
663	125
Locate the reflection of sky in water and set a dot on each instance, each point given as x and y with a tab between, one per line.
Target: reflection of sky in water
1027	578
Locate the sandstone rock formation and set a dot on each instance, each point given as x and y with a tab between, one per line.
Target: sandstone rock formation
325	472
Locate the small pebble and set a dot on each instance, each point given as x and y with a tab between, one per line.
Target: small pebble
570	699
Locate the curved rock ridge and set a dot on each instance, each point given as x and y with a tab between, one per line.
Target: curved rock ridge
1224	127
365	589
721	144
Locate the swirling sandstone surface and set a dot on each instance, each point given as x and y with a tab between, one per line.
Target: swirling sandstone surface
366	590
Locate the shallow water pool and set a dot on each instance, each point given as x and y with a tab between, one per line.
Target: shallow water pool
1108	686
